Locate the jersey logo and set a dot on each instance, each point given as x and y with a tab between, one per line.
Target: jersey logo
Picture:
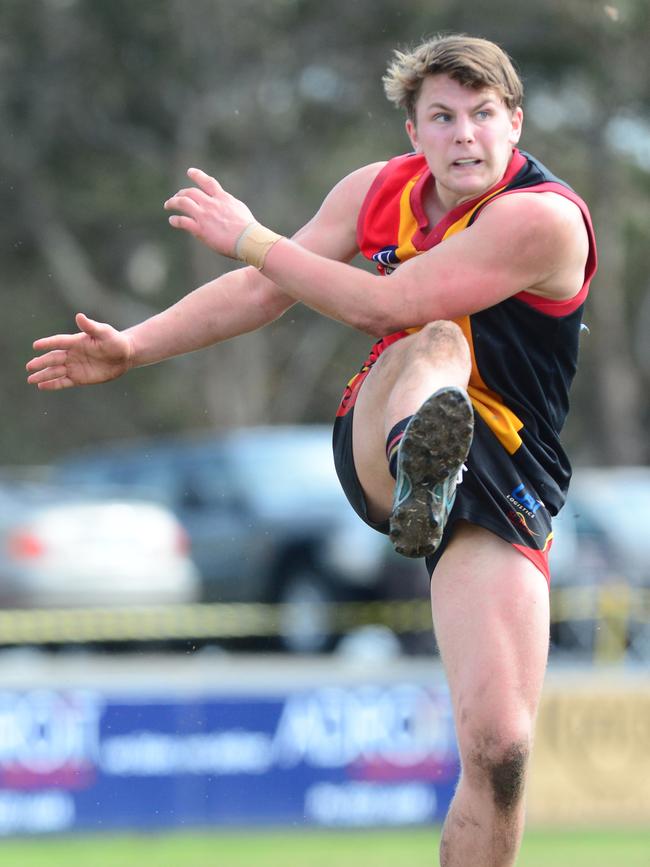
519	520
387	258
521	495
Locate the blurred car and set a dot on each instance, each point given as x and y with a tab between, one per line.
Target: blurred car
267	520
601	541
62	549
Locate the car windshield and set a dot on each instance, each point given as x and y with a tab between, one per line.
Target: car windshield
284	468
620	503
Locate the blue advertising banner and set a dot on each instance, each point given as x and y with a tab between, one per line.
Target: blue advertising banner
361	755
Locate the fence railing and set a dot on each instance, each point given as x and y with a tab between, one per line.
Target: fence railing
615	617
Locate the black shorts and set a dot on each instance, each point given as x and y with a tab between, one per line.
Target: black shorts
494	494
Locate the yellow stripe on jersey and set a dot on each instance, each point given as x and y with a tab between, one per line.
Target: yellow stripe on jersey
503	422
463	223
408	224
490	406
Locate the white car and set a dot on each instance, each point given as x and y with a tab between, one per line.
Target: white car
64	550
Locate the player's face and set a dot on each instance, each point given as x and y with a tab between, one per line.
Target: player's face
466	135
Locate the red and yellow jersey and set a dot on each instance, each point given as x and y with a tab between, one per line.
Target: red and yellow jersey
524	349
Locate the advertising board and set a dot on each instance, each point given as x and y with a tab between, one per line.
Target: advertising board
357	755
591	762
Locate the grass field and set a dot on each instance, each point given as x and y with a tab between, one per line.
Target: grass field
415	848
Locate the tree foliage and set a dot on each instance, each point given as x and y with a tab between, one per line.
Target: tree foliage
104	103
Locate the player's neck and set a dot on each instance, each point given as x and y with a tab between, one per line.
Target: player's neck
438	202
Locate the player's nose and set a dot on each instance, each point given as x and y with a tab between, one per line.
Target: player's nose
463	130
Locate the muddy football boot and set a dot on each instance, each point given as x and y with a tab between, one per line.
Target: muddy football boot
430	458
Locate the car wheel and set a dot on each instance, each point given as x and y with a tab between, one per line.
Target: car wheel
305	618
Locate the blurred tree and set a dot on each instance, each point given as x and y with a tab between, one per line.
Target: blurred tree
104	103
595	91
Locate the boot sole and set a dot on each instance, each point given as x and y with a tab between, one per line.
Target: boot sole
434	447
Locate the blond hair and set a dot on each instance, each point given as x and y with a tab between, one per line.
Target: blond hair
472	62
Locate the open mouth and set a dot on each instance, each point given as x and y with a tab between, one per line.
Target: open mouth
467	161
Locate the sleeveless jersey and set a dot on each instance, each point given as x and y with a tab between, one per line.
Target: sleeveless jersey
523	350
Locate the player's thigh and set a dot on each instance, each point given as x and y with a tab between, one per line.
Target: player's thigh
368	432
491	616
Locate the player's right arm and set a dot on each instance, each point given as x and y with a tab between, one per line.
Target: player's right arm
235	303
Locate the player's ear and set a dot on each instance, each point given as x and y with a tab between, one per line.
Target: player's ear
412	133
517	120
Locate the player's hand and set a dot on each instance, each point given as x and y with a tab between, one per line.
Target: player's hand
209	213
97	353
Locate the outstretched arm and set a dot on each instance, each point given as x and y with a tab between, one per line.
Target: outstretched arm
235	303
527	242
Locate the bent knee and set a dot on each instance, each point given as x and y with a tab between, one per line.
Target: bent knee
500	764
441	330
441	336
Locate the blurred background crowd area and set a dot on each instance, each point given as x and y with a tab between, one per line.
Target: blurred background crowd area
103	106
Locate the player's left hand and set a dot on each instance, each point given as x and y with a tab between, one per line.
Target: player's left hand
209	213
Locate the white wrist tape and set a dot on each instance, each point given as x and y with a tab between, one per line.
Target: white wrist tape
254	243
